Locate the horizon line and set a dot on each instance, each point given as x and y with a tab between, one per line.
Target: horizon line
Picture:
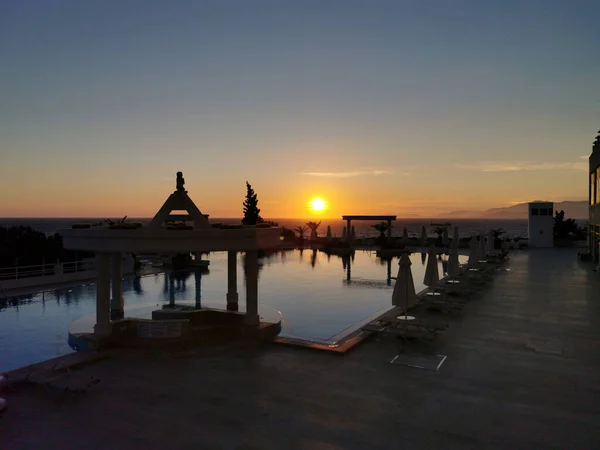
271	219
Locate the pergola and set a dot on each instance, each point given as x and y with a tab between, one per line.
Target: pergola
349	220
110	244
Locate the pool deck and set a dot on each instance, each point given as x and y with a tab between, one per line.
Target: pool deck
521	372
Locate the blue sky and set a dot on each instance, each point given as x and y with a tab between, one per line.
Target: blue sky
380	107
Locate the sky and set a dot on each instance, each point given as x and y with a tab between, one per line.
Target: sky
413	108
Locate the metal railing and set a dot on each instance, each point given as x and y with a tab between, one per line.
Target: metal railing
41	270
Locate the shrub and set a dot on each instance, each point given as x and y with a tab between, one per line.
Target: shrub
126	226
178	226
225	226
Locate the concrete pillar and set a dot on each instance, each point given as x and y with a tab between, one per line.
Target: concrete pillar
102	326
595	245
252	288
116	302
349	230
389	231
232	294
198	286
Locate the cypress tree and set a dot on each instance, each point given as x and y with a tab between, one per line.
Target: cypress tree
251	210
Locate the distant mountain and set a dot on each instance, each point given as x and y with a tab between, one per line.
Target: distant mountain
573	210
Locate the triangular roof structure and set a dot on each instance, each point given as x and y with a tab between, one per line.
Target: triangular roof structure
180	201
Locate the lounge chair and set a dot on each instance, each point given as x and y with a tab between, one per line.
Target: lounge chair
462	289
444	302
417	328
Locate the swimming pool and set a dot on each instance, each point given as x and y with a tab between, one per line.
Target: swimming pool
318	295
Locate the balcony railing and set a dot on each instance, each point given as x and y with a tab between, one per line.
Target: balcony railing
41	270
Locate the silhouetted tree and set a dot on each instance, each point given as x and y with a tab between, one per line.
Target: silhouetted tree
565	228
301	230
497	241
251	210
288	234
381	227
313	226
440	233
27	246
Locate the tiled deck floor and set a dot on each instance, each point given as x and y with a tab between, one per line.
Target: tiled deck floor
522	372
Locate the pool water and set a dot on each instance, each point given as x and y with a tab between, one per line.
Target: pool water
318	295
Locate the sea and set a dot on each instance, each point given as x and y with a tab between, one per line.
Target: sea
466	227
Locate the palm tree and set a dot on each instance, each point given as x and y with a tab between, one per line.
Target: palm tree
381	227
439	242
119	222
313	226
439	231
300	229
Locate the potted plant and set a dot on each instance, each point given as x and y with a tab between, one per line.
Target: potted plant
122	225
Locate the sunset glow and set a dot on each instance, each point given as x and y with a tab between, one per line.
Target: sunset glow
289	101
317	205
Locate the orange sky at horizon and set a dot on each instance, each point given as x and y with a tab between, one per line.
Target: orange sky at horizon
129	195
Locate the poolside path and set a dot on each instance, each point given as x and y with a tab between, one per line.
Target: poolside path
522	371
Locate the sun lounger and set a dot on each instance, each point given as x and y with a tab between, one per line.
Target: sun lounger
416	328
462	289
375	327
444	305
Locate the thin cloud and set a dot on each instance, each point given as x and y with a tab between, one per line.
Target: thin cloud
584	157
359	173
493	166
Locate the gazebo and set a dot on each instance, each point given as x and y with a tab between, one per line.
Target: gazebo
388	219
170	232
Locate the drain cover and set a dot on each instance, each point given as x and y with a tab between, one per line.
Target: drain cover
420	361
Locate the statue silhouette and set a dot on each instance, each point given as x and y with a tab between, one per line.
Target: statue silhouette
180	183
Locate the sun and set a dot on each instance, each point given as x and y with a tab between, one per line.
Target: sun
317	205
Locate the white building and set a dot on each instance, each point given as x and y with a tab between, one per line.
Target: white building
541	224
